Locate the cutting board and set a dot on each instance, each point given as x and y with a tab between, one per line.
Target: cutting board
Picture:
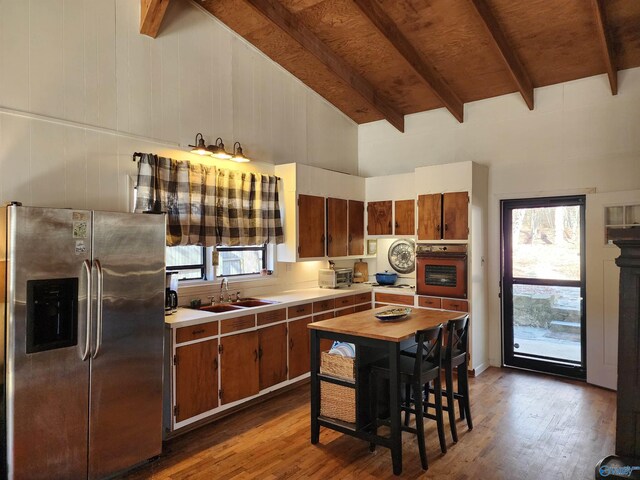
360	272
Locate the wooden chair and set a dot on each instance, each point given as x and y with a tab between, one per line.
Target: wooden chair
454	355
415	373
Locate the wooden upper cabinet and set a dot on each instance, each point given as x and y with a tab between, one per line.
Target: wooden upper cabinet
455	216
405	217
443	216
429	217
310	226
356	227
196	379
239	367
272	355
379	216
337	235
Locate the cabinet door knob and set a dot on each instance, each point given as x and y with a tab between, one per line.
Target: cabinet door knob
255	355
446	227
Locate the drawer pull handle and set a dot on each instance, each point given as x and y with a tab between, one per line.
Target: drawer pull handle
300	310
197	332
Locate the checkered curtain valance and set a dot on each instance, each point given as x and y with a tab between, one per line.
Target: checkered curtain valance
208	206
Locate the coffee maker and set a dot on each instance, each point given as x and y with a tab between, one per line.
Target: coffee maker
171	293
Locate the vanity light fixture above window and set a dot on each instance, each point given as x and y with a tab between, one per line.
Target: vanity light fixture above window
218	150
238	156
200	148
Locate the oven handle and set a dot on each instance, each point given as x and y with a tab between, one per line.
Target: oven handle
441	255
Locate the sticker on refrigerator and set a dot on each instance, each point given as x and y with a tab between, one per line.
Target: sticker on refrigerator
81	247
80	229
76	216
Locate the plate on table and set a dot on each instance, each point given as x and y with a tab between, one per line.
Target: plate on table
392	314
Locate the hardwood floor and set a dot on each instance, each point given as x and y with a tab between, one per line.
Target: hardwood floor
526	426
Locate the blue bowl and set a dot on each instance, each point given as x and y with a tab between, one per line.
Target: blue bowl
386	278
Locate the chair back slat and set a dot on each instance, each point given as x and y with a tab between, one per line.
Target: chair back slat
458	335
429	348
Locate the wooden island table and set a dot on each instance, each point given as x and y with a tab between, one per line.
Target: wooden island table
373	339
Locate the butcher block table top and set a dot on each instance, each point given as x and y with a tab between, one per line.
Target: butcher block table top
365	324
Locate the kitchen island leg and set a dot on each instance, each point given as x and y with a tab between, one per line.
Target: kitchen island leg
394	407
315	387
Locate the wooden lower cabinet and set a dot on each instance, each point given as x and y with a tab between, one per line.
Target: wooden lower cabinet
394	298
273	355
239	367
456	305
196	379
299	352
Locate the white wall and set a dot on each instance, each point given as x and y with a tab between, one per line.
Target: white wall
578	138
81	90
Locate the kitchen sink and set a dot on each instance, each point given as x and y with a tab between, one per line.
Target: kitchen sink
253	302
220	308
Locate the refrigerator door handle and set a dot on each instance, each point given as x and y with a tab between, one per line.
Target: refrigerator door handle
87	268
99	308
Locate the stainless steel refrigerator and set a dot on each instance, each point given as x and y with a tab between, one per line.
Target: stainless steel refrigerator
83	307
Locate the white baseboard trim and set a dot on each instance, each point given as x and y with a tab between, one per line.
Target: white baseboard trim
480	368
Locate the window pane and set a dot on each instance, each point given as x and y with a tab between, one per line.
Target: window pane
189	255
546	321
239	262
546	243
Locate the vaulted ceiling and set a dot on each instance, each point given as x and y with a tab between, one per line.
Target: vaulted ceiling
383	59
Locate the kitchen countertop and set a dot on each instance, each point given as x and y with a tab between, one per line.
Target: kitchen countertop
185	317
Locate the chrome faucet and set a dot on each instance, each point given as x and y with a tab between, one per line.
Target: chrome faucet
224	284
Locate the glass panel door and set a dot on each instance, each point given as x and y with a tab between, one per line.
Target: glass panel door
543	284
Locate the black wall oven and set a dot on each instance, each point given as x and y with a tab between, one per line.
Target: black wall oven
441	270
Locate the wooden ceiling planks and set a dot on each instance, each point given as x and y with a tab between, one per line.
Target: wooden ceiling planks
518	72
623	17
553	41
335	21
394	35
452	37
296	29
556	41
281	48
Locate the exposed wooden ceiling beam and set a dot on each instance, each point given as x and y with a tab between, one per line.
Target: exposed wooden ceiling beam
509	56
151	15
606	43
390	30
293	27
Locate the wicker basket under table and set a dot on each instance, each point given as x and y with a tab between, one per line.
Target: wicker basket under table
337	401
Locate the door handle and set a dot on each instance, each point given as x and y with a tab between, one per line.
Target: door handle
87	268
99	308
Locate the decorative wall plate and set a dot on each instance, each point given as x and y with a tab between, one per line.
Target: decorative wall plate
402	255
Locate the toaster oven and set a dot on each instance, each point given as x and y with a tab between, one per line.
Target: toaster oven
335	278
